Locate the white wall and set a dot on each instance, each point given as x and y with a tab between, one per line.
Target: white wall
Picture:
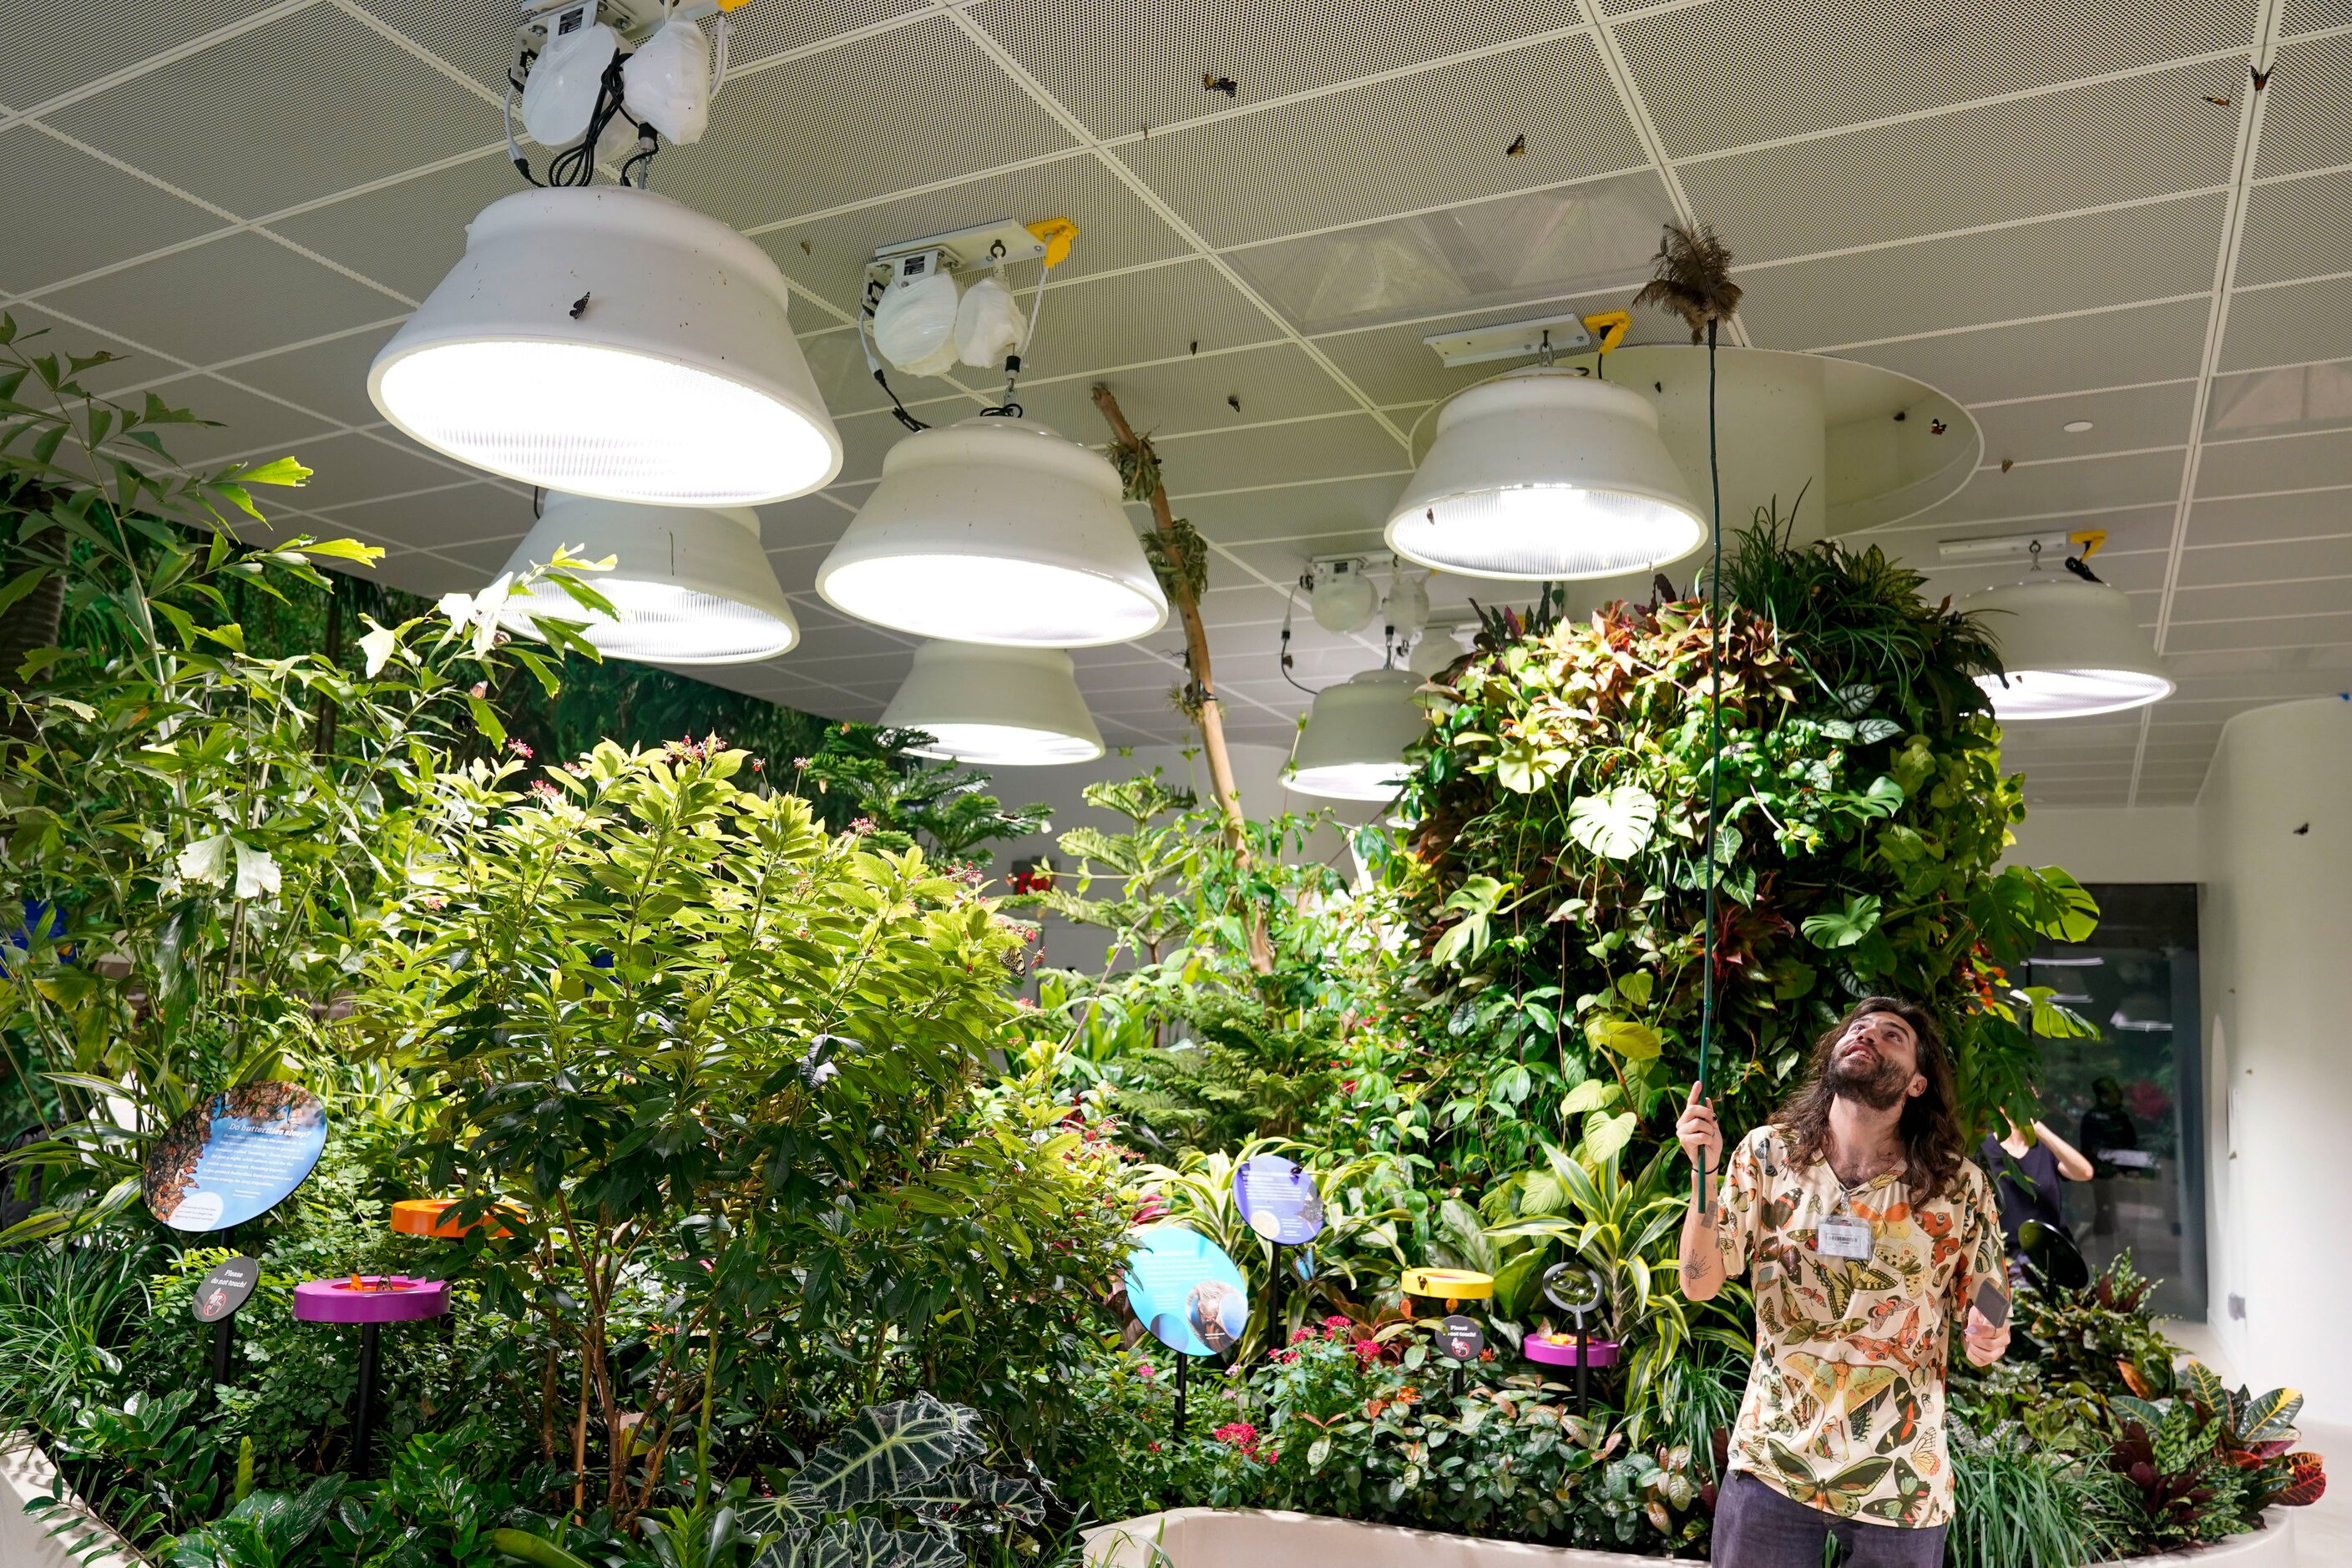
2277	989
2098	844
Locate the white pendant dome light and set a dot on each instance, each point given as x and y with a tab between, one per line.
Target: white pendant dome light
2070	648
692	583
609	342
1543	475
996	530
1000	707
1357	732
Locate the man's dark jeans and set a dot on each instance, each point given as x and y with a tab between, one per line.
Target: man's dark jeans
1756	1527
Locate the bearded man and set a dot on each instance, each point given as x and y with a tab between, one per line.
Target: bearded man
1870	1237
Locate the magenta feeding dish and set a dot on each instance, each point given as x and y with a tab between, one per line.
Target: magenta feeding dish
379	1299
1563	1349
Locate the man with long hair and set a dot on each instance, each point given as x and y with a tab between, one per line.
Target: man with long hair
1869	1237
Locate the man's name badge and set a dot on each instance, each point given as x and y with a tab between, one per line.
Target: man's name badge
1838	1237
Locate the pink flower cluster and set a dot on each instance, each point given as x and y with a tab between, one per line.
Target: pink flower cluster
1246	1440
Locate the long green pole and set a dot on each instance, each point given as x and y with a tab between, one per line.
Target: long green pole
1714	745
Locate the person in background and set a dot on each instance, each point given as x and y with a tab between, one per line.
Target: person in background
1874	1242
2027	1167
2106	1125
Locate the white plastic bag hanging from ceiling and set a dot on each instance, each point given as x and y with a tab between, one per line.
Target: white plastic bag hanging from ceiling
988	326
559	98
914	324
667	84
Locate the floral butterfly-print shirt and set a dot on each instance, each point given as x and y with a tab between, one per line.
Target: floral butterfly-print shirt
1844	1407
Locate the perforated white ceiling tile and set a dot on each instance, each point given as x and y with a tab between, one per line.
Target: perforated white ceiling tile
2295	228
427	575
461	514
2188	638
2112	348
2300	560
250	428
1331	447
2280	402
1118	65
315	103
1740	71
2304	123
1182	397
2252	520
2052	489
909	107
356	467
114	215
2303	597
329	378
2294	323
1135	317
236	295
1590	238
51	47
1395	145
2283	463
2122	420
1289	510
1116	229
406	235
806	522
2157	251
2060	152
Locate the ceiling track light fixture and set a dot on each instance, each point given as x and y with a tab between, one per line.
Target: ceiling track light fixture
692	584
1353	743
996	707
996	530
2070	646
608	342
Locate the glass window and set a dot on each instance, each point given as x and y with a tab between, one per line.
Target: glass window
2133	1099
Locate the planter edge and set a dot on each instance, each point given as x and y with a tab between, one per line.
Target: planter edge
25	1472
1209	1538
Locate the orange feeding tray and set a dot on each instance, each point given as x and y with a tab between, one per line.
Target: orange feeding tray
433	1216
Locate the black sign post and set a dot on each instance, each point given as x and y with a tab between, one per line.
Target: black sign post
219	1294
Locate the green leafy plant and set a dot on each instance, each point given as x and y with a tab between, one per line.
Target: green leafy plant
897	1488
1556	877
2015	1505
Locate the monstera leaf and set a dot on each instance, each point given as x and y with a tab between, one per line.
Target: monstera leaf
1616	823
1847	924
888	1449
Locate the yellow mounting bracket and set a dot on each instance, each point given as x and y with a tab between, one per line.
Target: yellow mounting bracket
2090	538
1608	329
1056	234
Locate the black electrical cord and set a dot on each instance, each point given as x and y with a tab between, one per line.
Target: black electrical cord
649	143
576	165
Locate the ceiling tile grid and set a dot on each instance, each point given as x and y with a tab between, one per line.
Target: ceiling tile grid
2036	205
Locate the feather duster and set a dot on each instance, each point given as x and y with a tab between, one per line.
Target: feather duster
1692	279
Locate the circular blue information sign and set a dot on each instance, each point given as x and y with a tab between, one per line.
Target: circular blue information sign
237	1155
1277	1196
1183	1287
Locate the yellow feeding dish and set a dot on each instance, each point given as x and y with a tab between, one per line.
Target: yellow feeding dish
1449	1284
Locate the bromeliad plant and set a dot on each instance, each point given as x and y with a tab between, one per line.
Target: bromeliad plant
1558	875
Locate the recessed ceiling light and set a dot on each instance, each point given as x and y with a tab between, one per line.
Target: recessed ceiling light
2076	426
